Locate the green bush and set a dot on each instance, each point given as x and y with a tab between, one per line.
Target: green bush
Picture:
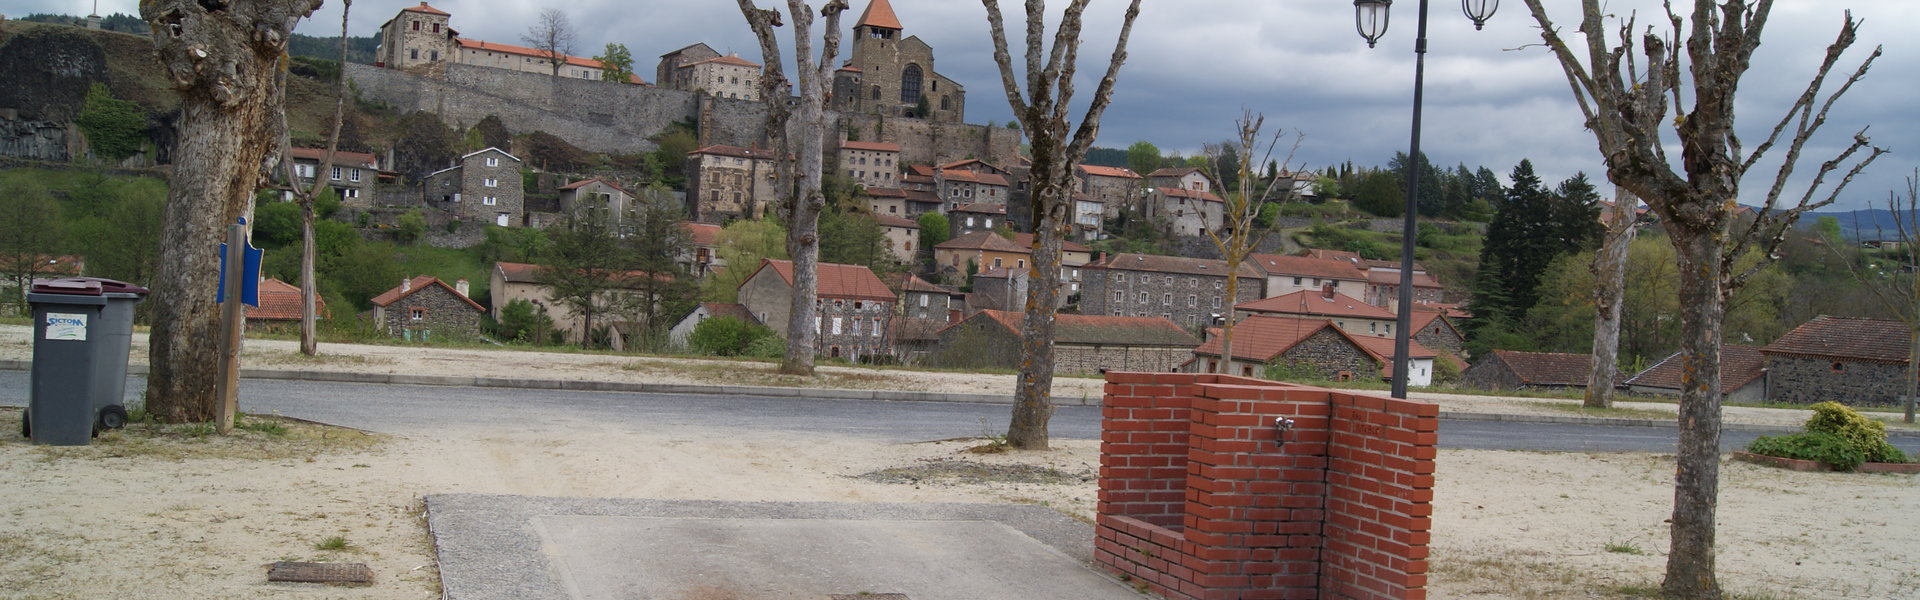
1823	447
1866	435
767	347
115	128
726	336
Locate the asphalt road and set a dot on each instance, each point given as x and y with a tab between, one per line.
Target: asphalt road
422	410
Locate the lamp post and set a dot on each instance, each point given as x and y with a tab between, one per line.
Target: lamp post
1370	19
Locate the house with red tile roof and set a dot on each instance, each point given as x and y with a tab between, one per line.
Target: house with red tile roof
1288	274
1352	315
1262	340
1108	189
1743	371
970	218
424	308
1184	211
704	257
730	182
1083	344
959	186
1437	331
280	303
1514	370
1857	362
853	313
721	77
351	175
1179	178
521	281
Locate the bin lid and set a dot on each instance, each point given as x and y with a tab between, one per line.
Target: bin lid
85	286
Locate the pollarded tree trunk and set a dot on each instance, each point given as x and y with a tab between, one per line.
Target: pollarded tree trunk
1696	482
223	59
1610	282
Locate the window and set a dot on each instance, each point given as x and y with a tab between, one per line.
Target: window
856	325
996	262
989	222
489	182
1193	301
1119	277
836	325
416	313
1022	263
1216	302
436	28
910	84
816	325
336	173
1119	296
923	301
489	200
1169	281
969	221
876	327
1143	297
303	171
493	161
436	54
1296	280
1166	299
416	25
353	174
348	192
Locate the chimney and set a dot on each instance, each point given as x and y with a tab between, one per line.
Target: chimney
1326	291
406	285
460	285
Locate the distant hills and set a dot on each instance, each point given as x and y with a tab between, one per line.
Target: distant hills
359	49
1862	224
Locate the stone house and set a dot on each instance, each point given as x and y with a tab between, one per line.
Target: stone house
854	309
603	198
1420	358
707	310
1089	217
958	186
521	281
1000	289
666	72
721	77
483	186
1513	370
1288	274
1383	285
1188	291
889	201
1263	340
352	174
730	182
985	249
1179	178
1743	371
922	299
424	308
872	164
1083	344
973	218
1113	188
1347	312
891	76
1185	212
1437	331
902	235
1856	362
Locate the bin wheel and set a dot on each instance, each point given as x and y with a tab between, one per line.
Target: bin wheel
113	416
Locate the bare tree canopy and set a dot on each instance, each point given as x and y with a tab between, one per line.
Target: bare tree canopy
305	196
1044	113
223	59
1238	236
552	34
1626	99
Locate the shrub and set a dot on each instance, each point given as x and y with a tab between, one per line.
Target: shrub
726	336
1866	435
115	129
1823	447
767	347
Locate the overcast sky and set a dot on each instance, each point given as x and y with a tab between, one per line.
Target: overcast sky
1193	64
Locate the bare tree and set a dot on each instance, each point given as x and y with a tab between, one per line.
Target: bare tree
1626	108
1243	206
309	340
800	184
1609	284
551	33
1044	114
1899	290
222	58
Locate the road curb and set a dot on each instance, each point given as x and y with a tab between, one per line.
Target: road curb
832	393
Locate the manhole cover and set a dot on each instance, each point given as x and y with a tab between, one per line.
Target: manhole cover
310	572
866	596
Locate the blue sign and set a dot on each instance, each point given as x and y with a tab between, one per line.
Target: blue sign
250	279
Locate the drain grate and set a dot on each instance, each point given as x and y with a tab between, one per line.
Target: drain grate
311	572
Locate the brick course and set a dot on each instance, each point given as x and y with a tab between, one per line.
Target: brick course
1199	500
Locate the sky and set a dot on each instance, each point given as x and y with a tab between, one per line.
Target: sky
1493	97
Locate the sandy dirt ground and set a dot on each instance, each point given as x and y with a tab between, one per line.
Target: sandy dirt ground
186	516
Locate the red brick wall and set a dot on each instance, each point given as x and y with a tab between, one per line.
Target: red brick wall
1198	501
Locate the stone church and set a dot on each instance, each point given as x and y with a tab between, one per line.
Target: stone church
892	76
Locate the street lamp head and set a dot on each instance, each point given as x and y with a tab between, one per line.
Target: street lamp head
1479	10
1370	18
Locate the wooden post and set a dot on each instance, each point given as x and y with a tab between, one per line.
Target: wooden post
232	317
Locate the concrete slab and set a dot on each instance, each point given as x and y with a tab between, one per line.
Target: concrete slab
591	549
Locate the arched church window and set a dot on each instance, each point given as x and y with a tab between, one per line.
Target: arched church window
876	92
946	103
910	84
